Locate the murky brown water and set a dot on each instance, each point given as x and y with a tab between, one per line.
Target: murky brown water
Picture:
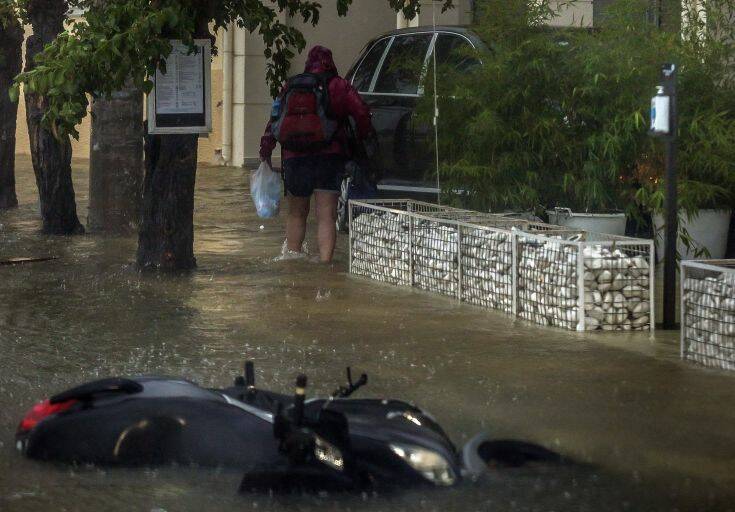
658	434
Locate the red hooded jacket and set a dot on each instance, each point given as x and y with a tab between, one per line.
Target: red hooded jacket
344	102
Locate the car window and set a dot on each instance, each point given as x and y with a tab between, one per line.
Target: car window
363	77
401	70
455	51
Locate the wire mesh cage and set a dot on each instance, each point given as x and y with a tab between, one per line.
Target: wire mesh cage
618	282
585	281
539	272
379	245
708	312
548	285
487	267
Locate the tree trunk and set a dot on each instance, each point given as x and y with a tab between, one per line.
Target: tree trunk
116	162
11	40
51	157
166	237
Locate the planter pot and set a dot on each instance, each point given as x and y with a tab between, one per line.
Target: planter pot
708	229
608	223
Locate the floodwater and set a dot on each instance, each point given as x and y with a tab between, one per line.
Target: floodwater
650	432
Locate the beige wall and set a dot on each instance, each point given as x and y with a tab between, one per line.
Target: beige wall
248	124
208	145
346	36
461	14
579	15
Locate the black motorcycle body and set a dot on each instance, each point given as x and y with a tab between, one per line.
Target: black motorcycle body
280	442
148	421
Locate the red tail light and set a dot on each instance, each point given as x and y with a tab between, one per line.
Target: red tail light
41	411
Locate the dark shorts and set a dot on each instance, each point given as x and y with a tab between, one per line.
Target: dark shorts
305	174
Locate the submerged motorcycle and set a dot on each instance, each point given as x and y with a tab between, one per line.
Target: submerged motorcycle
281	442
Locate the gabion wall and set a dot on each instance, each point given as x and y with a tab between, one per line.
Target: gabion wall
568	279
380	248
614	274
708	312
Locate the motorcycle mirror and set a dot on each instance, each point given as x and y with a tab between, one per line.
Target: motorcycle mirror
473	465
344	392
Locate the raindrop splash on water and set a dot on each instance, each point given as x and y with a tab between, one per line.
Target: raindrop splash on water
322	295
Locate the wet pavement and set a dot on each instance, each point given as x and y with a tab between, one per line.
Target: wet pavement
650	432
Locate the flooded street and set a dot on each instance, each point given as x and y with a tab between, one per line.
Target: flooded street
650	432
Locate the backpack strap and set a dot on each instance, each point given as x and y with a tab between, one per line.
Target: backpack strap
324	79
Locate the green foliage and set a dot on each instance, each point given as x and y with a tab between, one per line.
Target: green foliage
10	11
560	116
121	39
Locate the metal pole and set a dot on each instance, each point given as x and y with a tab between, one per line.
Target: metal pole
671	203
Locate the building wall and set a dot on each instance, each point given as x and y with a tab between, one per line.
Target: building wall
580	14
461	14
208	145
345	36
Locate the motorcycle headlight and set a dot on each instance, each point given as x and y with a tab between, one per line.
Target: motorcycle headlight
328	454
431	465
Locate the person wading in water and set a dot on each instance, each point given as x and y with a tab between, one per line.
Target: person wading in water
309	120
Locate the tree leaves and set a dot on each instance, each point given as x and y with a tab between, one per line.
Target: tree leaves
560	117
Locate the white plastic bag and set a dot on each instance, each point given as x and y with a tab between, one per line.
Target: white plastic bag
265	188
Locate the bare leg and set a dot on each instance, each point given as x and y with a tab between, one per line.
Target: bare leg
326	215
298	211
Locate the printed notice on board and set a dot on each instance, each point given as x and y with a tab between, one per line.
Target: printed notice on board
181	89
181	101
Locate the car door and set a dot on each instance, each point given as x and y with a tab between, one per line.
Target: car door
361	75
388	77
392	98
457	51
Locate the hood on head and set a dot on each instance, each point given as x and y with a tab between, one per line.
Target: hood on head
320	60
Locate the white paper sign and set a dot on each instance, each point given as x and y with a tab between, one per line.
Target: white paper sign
181	89
181	101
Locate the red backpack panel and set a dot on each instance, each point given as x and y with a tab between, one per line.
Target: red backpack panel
300	118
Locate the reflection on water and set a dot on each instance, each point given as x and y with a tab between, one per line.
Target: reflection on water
658	434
